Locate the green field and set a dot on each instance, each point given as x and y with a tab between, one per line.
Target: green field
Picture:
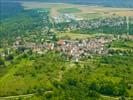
93	15
69	10
73	36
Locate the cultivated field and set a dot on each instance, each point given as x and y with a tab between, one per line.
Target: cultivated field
83	11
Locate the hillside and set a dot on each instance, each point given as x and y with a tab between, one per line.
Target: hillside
58	51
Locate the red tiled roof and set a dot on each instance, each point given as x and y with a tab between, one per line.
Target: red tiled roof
60	42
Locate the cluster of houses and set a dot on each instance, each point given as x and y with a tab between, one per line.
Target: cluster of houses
76	50
70	49
112	21
65	18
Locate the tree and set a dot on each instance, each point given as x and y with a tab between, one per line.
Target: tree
93	86
122	86
9	57
2	62
40	91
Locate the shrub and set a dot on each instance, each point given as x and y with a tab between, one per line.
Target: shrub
2	62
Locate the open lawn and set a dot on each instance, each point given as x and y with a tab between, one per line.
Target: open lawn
74	35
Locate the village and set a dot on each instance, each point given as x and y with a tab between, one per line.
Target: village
73	50
92	23
66	51
66	18
112	21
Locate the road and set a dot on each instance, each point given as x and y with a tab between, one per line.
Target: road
18	96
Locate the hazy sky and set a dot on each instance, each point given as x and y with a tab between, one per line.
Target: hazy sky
112	3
